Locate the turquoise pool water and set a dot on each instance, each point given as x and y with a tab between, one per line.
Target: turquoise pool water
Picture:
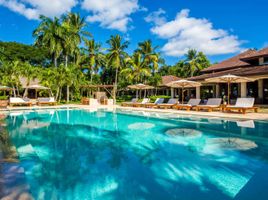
81	154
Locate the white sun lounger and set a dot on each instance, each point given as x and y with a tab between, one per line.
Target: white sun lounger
19	101
191	103
157	101
144	101
171	102
212	104
242	105
46	101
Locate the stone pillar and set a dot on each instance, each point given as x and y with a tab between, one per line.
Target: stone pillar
197	92
260	88
172	92
243	89
217	90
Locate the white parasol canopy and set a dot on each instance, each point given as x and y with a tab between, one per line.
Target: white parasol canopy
183	84
140	86
229	79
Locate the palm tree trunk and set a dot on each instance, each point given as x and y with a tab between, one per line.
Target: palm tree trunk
68	88
55	60
115	86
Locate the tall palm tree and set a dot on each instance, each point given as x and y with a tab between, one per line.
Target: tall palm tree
96	57
73	26
49	34
116	56
136	70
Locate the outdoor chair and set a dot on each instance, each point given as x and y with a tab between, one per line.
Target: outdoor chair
171	102
212	104
144	101
134	100
46	101
242	105
157	101
191	104
18	101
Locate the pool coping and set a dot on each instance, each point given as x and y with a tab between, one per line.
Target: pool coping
247	116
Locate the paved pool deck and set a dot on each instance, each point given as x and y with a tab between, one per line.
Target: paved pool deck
232	115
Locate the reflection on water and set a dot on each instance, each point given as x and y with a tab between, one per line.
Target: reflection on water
76	154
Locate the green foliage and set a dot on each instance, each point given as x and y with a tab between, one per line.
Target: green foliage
11	51
153	98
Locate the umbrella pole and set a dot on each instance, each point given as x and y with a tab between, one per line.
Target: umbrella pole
229	93
182	94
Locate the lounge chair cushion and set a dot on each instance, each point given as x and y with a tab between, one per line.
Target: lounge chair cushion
15	100
243	103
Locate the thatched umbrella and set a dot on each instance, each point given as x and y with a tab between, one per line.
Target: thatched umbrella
36	88
183	84
229	79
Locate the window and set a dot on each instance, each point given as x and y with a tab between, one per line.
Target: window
265	60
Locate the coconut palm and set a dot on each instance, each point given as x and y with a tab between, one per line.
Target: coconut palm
116	56
136	70
96	57
49	34
195	62
150	56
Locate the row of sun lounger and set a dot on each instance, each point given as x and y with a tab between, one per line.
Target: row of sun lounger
40	101
242	104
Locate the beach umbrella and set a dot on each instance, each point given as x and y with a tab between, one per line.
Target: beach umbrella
183	84
140	86
229	79
36	88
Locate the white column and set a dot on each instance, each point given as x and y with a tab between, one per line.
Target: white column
217	90
197	92
172	92
243	89
260	88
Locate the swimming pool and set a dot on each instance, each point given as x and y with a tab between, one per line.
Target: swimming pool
123	154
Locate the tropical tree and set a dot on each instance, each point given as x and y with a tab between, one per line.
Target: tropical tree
194	63
116	56
136	70
96	58
150	56
49	34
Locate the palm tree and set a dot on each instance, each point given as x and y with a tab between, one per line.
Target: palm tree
195	62
136	70
73	26
49	34
96	57
116	56
150	56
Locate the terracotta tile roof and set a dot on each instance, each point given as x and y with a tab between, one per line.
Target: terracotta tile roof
168	79
257	54
231	63
242	71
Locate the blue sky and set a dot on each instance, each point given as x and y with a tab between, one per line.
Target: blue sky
218	28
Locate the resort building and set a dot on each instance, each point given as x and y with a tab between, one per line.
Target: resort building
251	64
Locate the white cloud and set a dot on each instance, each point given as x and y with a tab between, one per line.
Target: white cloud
111	14
32	9
156	17
184	33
